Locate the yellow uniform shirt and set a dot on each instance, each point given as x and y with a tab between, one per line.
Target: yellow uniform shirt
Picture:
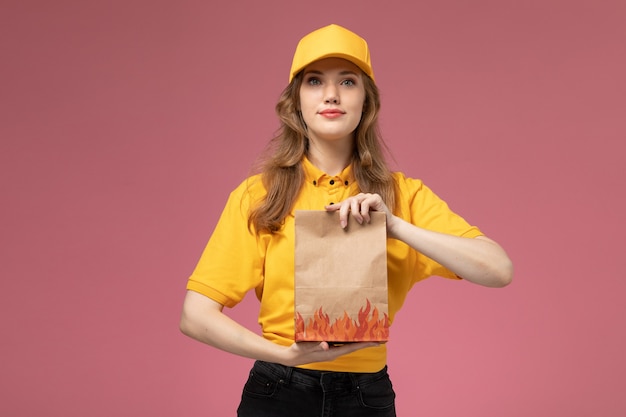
236	261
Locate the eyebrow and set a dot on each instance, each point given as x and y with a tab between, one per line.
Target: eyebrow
316	72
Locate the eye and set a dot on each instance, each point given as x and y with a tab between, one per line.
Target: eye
313	81
348	82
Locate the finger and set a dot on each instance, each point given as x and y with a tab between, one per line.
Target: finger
365	208
352	347
355	209
344	212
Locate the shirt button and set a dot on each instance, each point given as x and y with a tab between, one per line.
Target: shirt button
314	182
331	203
346	182
332	182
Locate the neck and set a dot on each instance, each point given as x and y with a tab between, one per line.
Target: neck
332	158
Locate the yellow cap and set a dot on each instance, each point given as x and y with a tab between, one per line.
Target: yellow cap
332	41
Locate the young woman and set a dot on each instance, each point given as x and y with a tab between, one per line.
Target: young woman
327	155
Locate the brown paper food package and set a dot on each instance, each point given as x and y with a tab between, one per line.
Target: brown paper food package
340	278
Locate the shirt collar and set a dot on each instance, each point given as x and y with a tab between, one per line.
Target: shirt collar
315	176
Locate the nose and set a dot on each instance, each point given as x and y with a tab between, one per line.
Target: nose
331	95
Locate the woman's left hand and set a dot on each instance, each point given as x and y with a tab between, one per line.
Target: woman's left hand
359	207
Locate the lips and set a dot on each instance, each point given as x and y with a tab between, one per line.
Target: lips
331	113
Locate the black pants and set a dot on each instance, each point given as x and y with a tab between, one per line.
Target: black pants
274	390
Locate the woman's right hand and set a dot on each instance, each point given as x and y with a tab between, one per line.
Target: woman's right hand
301	353
202	319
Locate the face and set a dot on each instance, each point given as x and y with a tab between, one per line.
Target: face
332	96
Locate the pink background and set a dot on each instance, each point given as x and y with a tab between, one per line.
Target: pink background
125	124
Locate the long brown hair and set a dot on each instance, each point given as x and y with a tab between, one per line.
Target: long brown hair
281	163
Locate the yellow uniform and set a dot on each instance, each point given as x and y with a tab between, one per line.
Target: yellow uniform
236	260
